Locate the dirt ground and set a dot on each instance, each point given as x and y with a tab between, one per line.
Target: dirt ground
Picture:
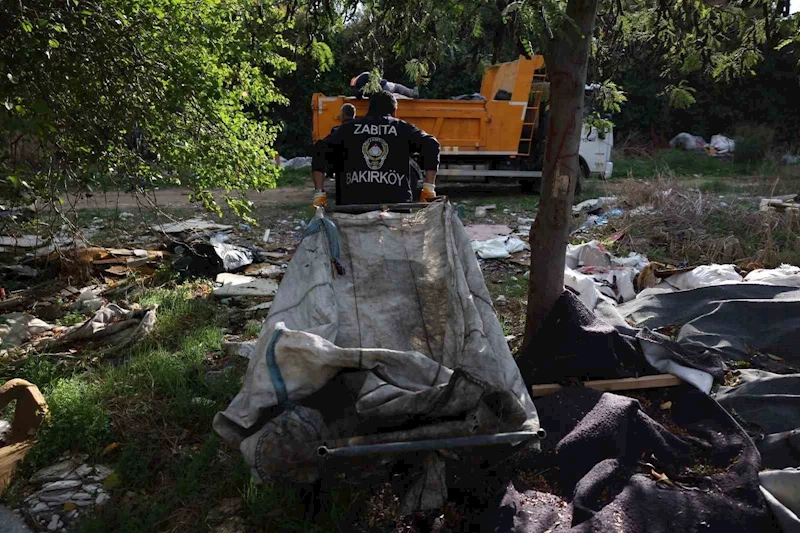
180	198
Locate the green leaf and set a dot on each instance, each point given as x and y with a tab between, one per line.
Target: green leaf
785	42
53	43
26	25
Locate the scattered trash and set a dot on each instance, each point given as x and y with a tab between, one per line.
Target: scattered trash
265	238
242	349
498	247
18	328
296	162
192	224
22	271
88	301
480	211
588	206
779	203
501	299
592	253
265	270
115	326
642	210
124	215
260	307
238	285
244	227
688	142
720	146
789	159
482	232
23	241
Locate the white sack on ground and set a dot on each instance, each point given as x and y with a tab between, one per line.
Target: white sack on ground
785	275
705	276
404	309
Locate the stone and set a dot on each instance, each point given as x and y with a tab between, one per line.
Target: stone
55	472
73	514
81	496
57	496
83	470
39	507
10	522
91	488
53	525
102	498
235	524
102	472
60	485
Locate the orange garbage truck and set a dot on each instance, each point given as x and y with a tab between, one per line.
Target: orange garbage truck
497	136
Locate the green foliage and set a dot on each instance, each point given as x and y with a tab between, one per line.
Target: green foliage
139	91
374	83
78	421
679	96
419	71
753	142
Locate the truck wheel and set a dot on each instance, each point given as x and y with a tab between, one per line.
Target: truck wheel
531	186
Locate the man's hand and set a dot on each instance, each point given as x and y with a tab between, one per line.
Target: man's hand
320	200
428	193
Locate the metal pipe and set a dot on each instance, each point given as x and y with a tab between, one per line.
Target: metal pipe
427	445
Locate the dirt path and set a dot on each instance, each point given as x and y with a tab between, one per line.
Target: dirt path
178	198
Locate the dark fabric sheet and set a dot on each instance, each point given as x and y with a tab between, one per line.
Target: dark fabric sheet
576	344
769	407
673	308
599	444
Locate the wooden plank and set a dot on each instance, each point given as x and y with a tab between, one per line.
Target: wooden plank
9	457
606	385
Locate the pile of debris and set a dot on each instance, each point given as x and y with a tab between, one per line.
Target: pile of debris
61	493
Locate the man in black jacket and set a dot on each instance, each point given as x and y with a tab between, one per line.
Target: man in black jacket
373	155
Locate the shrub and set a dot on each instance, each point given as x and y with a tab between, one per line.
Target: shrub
752	142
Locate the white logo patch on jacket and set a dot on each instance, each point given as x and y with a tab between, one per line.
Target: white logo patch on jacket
375	151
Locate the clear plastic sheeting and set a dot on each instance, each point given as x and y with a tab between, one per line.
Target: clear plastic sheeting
392	309
498	247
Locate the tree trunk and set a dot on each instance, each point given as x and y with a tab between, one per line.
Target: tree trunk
566	61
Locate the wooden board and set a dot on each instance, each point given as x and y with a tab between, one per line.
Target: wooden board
9	457
606	385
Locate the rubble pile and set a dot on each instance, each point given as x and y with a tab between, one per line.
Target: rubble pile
65	491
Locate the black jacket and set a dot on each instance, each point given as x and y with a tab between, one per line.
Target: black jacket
372	157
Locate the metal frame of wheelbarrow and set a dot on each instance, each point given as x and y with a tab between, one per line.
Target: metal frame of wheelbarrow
516	437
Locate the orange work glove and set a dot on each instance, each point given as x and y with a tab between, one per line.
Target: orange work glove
428	193
320	200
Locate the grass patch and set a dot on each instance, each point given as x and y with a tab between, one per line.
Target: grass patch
681	163
295	177
171	468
